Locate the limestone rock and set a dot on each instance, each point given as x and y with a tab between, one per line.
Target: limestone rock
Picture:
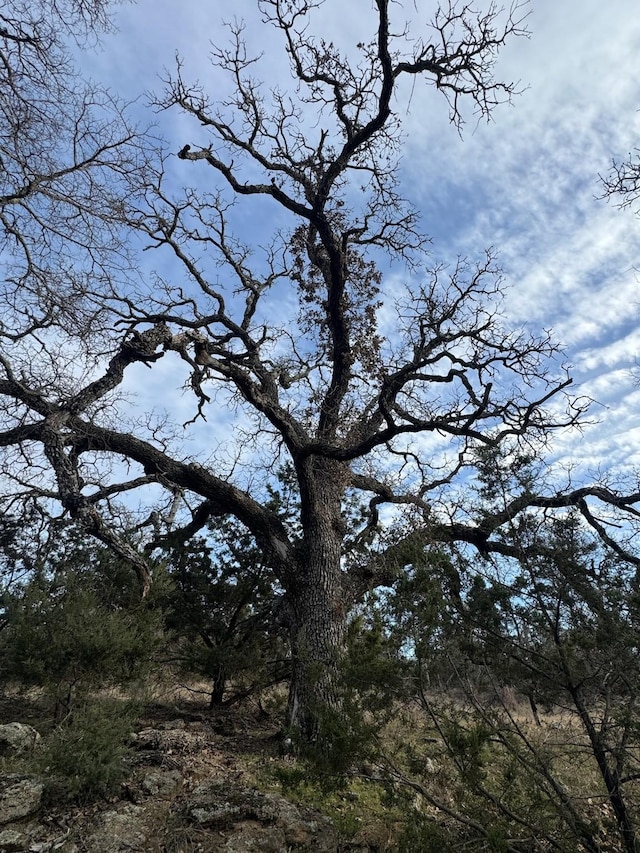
20	796
169	741
17	738
12	841
119	830
160	782
249	820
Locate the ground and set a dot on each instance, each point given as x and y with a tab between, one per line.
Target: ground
200	780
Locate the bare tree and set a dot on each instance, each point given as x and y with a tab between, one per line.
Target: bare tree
366	394
68	159
67	156
624	180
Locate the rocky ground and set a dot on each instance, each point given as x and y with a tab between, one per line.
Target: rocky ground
195	782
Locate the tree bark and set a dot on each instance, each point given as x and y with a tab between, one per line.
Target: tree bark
317	643
318	610
218	687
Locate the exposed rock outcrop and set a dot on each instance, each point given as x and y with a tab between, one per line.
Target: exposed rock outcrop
166	799
20	796
17	738
247	820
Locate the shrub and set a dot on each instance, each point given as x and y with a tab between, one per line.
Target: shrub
84	758
64	635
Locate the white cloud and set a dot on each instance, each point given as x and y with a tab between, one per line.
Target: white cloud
526	183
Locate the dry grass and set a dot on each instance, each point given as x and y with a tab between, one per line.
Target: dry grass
426	773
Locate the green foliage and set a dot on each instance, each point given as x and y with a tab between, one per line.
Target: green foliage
421	617
374	675
17	538
355	805
425	835
222	610
367	683
345	739
290	777
84	757
555	625
468	743
380	670
78	626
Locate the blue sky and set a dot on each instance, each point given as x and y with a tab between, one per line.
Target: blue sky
527	183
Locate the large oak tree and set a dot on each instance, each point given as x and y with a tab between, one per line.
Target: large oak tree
369	393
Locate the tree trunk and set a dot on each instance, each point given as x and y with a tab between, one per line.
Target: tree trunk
318	615
609	776
317	642
218	687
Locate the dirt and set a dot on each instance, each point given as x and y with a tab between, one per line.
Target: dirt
197	781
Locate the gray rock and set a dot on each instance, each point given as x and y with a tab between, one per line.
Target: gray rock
169	741
256	839
160	782
12	841
20	796
17	738
255	821
120	830
172	725
219	805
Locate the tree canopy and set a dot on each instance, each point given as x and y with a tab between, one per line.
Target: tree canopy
375	396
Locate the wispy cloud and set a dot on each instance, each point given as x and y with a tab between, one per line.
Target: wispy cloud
527	183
